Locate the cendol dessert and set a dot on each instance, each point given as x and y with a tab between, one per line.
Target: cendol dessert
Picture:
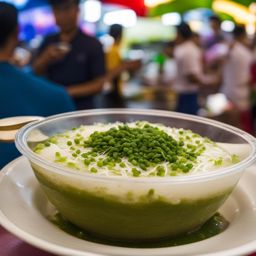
133	182
138	149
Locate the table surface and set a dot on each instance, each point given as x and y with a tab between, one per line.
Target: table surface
13	246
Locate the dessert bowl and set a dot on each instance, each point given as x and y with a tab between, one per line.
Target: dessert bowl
137	209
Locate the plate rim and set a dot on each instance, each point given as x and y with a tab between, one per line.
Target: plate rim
62	250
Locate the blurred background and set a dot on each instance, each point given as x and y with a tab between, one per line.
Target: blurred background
145	21
149	29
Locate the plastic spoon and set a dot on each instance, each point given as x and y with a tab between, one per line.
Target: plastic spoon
9	126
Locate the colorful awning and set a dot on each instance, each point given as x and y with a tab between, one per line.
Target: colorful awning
137	5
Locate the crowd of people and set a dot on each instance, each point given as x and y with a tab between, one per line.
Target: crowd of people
70	68
219	63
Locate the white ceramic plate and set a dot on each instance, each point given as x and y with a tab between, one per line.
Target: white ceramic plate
23	211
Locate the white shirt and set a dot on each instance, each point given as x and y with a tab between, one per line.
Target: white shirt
236	76
189	61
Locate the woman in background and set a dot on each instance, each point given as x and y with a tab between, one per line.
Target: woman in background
116	65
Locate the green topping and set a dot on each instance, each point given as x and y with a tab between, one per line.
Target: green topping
234	159
47	144
77	141
93	170
100	163
72	165
53	140
84	155
135	172
189	166
122	165
39	147
139	149
59	158
218	162
143	146
87	161
160	171
57	154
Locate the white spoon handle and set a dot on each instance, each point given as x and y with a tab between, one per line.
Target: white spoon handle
9	126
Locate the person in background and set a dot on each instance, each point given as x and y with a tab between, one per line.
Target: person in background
23	94
196	39
189	76
169	67
116	65
72	58
113	61
217	35
253	78
215	47
189	67
236	77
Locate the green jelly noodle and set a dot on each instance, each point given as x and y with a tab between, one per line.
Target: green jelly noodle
150	219
214	226
138	149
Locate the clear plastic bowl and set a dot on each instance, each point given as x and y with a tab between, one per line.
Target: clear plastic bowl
134	208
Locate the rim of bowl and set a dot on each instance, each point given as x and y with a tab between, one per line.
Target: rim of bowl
22	146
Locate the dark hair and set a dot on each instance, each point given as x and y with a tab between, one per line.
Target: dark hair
215	18
238	31
8	21
195	34
169	44
116	31
184	30
57	3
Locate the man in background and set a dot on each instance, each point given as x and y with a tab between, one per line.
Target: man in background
23	94
217	35
72	58
188	58
190	77
236	77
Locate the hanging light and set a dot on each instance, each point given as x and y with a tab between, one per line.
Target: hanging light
239	12
153	3
91	10
227	25
171	19
125	17
18	3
